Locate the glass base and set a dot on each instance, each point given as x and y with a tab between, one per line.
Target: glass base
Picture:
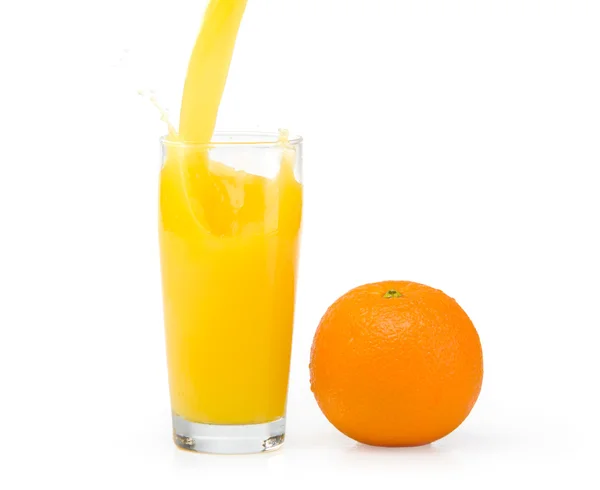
228	439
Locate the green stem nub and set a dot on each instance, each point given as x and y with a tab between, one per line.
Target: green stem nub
392	293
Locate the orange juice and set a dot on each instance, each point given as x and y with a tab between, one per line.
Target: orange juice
229	247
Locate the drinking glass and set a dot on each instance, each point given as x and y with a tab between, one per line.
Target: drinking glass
229	226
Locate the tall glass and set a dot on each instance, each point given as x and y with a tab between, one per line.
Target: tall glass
229	226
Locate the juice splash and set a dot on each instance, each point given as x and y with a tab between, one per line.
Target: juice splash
164	115
229	246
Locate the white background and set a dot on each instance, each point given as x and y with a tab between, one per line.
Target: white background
451	143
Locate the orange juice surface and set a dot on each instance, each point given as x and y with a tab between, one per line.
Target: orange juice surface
229	242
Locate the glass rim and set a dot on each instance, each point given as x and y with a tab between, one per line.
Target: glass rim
233	139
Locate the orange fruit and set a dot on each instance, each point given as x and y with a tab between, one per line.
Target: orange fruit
396	363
